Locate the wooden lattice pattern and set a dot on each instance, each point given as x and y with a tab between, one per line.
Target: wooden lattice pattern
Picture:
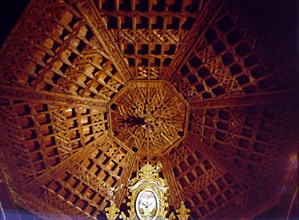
92	90
148	117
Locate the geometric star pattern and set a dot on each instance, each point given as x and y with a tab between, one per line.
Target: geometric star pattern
232	119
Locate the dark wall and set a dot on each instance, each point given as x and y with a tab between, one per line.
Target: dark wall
10	11
282	15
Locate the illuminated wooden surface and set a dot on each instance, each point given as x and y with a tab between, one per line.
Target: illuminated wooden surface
72	72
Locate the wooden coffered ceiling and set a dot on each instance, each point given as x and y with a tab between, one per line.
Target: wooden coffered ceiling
84	83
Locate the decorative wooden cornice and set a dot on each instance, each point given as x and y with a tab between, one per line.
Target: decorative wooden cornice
50	98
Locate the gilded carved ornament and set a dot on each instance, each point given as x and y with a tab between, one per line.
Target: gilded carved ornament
147	198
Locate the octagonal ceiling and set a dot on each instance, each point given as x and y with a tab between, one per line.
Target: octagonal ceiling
216	96
148	117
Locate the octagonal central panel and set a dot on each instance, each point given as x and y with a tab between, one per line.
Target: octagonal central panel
148	117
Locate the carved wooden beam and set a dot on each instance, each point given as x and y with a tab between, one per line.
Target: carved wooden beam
265	98
76	158
50	98
99	27
202	22
125	178
175	191
193	142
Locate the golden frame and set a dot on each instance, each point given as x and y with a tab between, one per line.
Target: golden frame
148	180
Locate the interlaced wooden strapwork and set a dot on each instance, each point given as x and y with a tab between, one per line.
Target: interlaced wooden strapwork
91	90
148	117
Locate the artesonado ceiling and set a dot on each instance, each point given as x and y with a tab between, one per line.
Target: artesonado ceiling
92	90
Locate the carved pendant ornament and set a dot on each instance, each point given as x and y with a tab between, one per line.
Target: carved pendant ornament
147	198
148	117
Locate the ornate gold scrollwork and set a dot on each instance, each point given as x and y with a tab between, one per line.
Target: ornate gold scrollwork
147	198
112	211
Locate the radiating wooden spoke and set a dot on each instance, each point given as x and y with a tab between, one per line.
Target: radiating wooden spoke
106	38
131	161
50	98
193	141
202	23
170	178
263	98
76	158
